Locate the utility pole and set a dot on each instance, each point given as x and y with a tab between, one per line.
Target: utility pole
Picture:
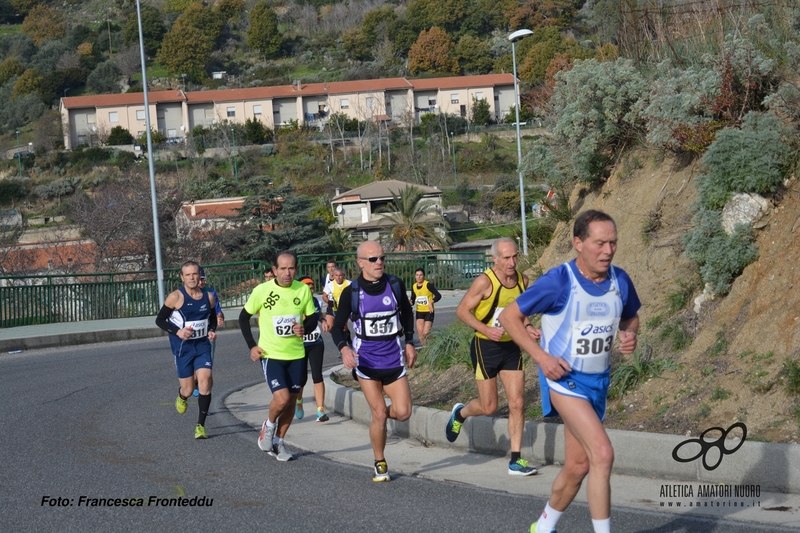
19	157
453	142
233	154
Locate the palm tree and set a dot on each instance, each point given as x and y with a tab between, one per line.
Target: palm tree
341	240
416	224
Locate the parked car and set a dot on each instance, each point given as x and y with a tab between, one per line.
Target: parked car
473	269
20	155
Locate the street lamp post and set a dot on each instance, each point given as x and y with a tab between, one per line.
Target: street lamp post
151	168
233	154
514	37
453	142
19	157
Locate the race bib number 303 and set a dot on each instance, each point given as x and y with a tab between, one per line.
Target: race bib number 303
282	325
592	343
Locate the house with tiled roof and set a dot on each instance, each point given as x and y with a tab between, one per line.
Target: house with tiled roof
358	209
89	119
204	219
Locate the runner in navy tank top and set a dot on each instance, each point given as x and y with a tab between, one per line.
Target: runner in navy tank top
189	317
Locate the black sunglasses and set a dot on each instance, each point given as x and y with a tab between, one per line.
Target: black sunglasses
374	259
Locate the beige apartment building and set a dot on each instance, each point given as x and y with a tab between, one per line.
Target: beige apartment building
89	119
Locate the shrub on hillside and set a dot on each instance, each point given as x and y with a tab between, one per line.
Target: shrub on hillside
118	136
11	191
721	257
597	105
688	106
753	159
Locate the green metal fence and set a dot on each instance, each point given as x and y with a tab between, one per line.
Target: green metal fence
45	299
447	270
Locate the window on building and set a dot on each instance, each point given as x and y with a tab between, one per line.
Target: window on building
431	102
478	96
256	109
370	102
231	112
345	103
140	114
91	119
454	98
209	113
113	117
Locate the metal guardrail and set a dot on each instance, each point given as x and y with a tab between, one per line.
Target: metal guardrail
47	299
447	270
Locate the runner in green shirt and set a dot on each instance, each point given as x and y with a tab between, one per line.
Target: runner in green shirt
285	312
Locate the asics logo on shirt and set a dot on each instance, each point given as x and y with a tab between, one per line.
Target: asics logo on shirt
597	329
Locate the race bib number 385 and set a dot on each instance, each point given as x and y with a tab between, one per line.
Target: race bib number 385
282	325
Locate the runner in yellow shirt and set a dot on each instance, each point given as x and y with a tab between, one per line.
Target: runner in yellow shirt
424	295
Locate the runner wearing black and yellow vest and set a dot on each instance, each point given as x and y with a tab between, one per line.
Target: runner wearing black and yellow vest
493	352
423	296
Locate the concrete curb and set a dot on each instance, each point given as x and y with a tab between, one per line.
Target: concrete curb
126	333
72	339
636	453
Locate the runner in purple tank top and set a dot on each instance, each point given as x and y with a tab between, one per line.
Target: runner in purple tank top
383	322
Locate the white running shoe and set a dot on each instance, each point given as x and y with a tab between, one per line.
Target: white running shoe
265	437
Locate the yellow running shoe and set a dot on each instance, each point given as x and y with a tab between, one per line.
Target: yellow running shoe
200	432
381	472
180	405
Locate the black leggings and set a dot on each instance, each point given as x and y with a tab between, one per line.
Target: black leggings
314	355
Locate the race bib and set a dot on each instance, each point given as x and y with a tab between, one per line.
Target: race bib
199	328
282	325
591	346
313	336
381	325
495	322
422	300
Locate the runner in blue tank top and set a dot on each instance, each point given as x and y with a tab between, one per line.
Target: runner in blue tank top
188	316
584	304
383	323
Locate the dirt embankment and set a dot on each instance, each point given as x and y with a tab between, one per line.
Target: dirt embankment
732	370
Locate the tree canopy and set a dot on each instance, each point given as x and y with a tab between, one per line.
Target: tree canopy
263	34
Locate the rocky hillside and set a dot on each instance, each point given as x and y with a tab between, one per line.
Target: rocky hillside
733	368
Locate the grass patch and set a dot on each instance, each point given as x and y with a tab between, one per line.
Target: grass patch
650	225
720	345
679	298
471	231
676	335
628	375
703	412
654	322
9	29
719	394
447	347
154	70
791	370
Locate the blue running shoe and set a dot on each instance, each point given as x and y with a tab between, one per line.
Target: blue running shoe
298	410
520	467
196	393
453	427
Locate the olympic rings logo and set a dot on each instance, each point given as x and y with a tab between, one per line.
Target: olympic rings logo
706	446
